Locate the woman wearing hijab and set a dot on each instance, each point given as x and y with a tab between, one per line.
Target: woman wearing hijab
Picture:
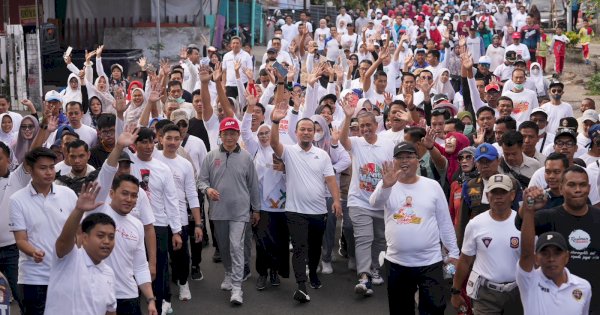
6	134
272	251
537	76
135	107
27	131
455	142
73	90
442	83
467	171
340	158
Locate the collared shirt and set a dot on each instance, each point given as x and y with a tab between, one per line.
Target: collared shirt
306	169
43	218
228	66
540	295
527	167
78	286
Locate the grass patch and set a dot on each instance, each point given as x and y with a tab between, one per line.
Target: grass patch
593	85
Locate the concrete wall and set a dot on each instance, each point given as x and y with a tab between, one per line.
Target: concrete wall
172	39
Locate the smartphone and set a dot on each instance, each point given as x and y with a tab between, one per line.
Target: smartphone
67	53
279	67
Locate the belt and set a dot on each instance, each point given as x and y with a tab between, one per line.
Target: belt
500	287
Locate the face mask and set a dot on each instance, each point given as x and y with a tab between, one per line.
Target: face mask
180	100
432	27
519	86
468	129
542	131
535	71
318	136
556	96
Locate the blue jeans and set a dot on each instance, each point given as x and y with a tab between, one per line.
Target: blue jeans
9	266
33	298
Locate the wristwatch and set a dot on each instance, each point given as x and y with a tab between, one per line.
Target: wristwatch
201	226
150	299
454	291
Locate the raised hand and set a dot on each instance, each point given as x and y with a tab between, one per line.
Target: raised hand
249	73
462	40
404	115
204	73
408	98
183	53
165	68
291	73
311	47
142	63
480	137
335	135
313	76
348	109
217	73
389	174
388	98
250	100
67	59
52	123
279	112
87	197
89	55
339	71
128	136
237	65
429	139
120	101
467	60
408	61
28	104
99	51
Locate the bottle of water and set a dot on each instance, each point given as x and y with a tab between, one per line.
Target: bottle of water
449	271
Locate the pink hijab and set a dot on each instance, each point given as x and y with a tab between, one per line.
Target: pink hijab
461	142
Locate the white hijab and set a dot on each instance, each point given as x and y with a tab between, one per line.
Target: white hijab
444	88
537	79
133	113
69	94
7	137
268	178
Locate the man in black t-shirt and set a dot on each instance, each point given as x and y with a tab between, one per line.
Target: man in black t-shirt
196	124
579	223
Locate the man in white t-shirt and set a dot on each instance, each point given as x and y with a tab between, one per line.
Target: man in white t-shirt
306	166
549	287
369	152
236	54
37	214
524	100
289	30
556	109
343	16
86	133
491	246
416	219
518	47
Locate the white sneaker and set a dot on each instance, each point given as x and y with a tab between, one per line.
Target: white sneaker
352	264
166	308
237	296
376	278
184	292
226	284
326	268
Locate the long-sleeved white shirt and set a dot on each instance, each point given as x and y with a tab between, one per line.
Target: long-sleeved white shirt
416	218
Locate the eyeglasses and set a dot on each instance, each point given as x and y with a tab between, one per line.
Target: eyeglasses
27	127
263	134
465	157
568	144
438	111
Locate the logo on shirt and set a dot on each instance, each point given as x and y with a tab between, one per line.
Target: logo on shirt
521	107
544	289
486	241
217	162
406	214
127	235
369	176
577	294
514	242
579	239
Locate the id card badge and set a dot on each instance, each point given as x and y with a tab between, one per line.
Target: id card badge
473	284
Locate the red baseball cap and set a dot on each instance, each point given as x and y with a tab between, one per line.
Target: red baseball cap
492	86
229	123
516	35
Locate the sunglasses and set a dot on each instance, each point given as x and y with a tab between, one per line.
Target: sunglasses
27	127
556	91
465	157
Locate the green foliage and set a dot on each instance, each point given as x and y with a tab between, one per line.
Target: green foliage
573	39
594	85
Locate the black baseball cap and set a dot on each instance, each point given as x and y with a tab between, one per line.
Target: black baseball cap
328	96
565	131
404	147
551	238
124	157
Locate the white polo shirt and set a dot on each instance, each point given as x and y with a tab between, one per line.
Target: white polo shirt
228	66
43	218
128	255
78	286
16	181
540	295
367	166
142	210
305	179
496	246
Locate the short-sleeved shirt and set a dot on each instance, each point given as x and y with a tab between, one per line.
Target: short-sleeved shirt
78	286
305	179
43	218
540	295
496	245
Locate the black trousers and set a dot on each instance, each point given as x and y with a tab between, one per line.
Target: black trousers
306	232
160	285
272	251
33	298
9	266
180	259
129	307
403	282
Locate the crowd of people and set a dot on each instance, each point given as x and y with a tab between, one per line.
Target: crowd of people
430	129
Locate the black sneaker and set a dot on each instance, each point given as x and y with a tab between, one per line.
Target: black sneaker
217	256
274	277
247	273
300	295
315	283
197	273
261	283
